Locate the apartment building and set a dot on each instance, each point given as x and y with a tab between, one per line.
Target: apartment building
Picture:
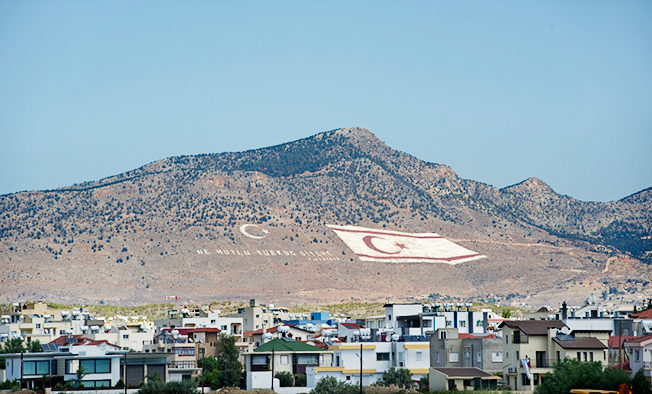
533	346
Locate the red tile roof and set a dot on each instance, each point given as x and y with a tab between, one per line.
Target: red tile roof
352	326
613	341
204	329
646	314
182	331
640	339
63	339
471	336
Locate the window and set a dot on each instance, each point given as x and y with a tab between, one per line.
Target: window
585	358
382	356
442	335
36	367
90	365
38	325
591	356
496	357
348	377
125	336
285	359
437	357
419	356
638	355
307	359
579	356
185	351
518	356
97	383
479	357
506	338
453	357
558	356
463	323
259	360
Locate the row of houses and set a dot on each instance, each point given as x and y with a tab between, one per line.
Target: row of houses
450	344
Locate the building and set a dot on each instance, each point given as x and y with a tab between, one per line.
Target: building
201	318
99	360
282	355
259	316
540	344
258	337
127	336
462	379
424	319
616	351
450	349
377	358
639	351
182	364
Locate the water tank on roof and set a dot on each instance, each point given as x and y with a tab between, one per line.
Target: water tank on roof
267	337
283	329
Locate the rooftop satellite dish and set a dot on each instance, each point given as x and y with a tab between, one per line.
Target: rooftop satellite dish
565	330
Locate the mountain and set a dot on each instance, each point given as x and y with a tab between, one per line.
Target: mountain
172	227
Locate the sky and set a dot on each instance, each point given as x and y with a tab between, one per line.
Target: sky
499	91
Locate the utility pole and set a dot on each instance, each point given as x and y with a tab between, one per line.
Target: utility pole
21	369
272	369
360	367
125	372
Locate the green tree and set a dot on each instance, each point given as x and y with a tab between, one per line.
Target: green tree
506	314
572	373
285	378
640	383
10	385
228	361
14	345
424	384
211	375
330	385
35	346
401	377
80	375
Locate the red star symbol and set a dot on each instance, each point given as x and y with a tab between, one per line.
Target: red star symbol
402	246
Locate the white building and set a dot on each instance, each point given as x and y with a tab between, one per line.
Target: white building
639	351
377	358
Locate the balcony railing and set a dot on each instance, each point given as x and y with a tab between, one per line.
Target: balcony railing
541	363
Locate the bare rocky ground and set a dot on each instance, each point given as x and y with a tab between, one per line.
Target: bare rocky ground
171	228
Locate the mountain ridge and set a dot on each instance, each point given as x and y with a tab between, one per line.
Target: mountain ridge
157	214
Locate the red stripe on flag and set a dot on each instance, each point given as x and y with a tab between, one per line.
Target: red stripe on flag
417	257
390	234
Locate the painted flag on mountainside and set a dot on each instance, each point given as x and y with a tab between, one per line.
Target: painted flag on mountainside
399	247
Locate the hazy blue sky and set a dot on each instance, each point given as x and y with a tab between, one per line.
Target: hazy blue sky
500	91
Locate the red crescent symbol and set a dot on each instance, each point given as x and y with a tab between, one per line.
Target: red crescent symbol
367	241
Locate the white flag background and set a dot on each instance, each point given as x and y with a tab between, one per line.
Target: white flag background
398	247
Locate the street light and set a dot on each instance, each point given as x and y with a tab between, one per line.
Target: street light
202	351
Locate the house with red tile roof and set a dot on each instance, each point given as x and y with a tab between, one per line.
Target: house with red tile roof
639	352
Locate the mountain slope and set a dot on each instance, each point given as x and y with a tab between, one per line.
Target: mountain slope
157	230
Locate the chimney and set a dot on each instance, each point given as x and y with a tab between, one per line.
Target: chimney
564	311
